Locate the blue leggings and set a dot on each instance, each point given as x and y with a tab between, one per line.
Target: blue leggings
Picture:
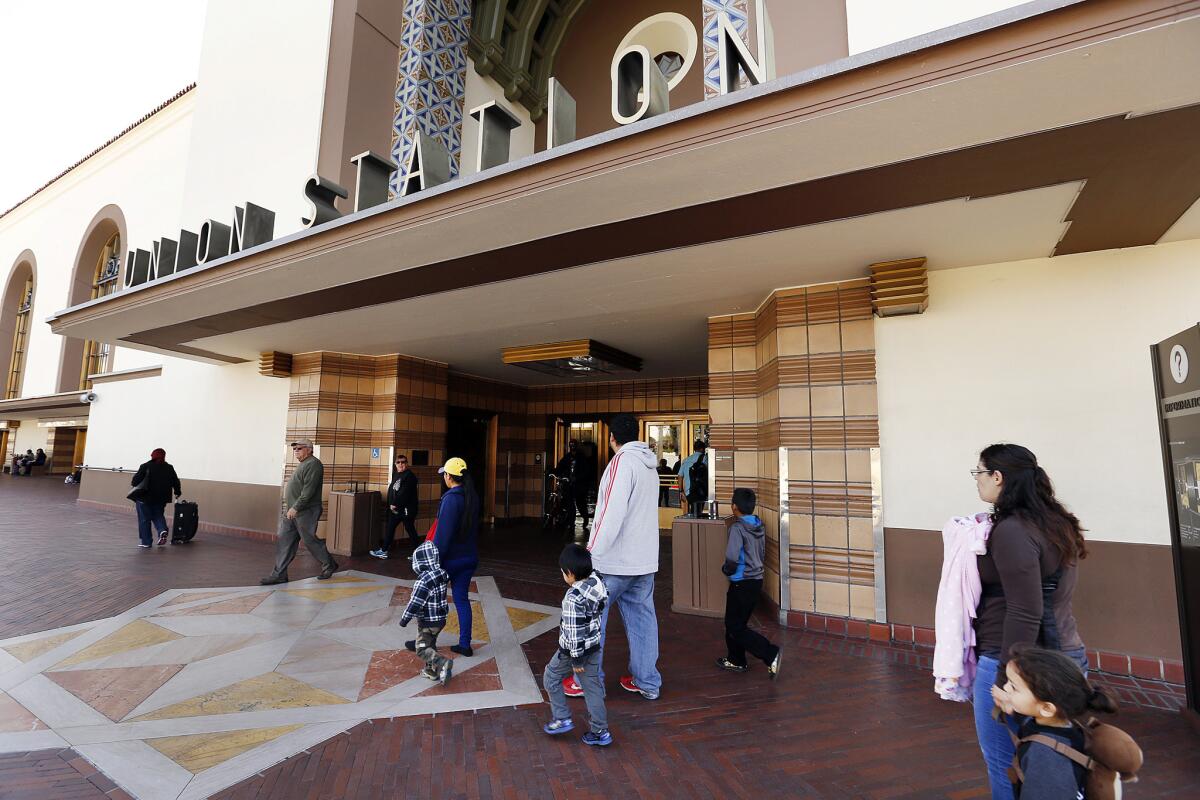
461	571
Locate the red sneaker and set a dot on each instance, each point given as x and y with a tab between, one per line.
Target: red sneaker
629	685
571	687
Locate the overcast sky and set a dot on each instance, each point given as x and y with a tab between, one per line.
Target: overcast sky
73	73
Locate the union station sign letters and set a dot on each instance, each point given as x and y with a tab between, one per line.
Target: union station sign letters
639	91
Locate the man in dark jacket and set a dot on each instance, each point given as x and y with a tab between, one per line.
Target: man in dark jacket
160	481
578	467
402	507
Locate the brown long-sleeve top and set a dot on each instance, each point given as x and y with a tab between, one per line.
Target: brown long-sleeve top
1018	558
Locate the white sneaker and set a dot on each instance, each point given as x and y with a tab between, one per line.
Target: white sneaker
380	553
144	545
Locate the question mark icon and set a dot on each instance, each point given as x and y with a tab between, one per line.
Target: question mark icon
1179	363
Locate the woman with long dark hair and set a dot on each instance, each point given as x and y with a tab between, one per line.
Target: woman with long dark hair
152	498
456	540
1028	576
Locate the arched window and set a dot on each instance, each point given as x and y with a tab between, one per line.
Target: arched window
105	281
20	340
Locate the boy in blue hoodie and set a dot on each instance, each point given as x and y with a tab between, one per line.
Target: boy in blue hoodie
578	648
744	567
428	605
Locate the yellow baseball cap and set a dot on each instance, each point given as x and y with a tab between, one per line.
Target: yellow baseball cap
455	466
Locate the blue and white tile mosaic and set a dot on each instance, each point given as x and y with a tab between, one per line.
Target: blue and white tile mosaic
738	12
430	79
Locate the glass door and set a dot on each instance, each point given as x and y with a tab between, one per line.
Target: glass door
664	437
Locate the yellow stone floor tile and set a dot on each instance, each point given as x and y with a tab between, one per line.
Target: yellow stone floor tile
199	751
523	618
133	636
31	650
479	629
259	693
335	592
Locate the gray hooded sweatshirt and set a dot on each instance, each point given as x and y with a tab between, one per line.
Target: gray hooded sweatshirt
744	552
624	538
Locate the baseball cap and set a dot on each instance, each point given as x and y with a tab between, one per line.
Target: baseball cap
303	443
455	466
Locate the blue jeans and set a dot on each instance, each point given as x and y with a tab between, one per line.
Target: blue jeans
461	570
634	595
993	736
558	668
148	513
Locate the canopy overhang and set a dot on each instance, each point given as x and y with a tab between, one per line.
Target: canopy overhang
1062	132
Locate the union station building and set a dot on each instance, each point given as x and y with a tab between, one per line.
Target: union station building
479	229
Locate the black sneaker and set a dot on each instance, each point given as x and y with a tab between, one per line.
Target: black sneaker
462	651
601	739
773	667
727	665
271	580
327	573
410	646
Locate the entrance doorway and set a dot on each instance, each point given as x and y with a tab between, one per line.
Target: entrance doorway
672	440
79	449
471	436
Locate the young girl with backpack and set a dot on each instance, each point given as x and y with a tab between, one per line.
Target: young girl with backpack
1060	755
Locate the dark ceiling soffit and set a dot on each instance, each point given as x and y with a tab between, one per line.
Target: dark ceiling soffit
1141	175
59	402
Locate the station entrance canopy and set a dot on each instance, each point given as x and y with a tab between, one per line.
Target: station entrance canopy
1029	139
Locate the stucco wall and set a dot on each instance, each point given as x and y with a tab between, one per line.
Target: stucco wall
259	95
1049	353
216	423
143	174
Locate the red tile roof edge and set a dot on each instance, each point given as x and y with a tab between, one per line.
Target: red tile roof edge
142	119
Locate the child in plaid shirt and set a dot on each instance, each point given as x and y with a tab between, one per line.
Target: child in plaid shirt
578	648
428	605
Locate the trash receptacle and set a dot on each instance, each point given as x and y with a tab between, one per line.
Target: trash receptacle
353	516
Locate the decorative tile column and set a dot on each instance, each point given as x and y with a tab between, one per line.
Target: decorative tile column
793	406
430	79
738	12
350	404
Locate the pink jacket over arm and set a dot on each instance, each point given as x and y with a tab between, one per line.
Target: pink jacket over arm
954	658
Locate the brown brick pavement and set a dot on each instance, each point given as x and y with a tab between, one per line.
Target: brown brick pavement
846	719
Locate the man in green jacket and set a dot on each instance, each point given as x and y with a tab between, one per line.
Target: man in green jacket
303	500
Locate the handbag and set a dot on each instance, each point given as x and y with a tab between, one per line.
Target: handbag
137	492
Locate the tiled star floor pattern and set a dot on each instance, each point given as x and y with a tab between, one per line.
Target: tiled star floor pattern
195	690
846	719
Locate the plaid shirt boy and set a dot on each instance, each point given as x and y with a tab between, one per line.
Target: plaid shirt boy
579	630
428	602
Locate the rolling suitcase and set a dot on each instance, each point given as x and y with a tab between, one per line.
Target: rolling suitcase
187	520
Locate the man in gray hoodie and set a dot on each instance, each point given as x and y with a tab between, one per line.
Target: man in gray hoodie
624	548
744	568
